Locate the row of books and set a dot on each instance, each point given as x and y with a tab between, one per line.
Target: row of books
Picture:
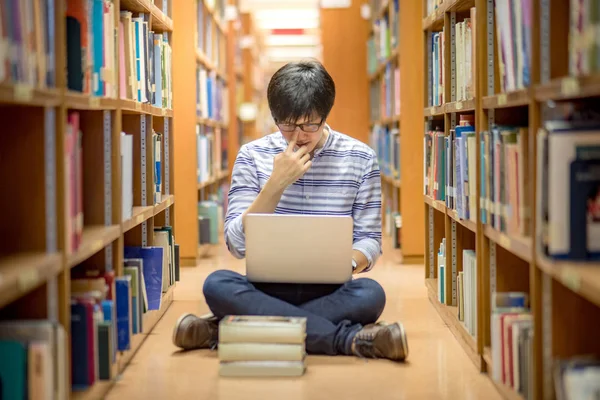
211	216
384	94
74	181
437	70
385	140
28	53
464	47
94	55
145	60
384	38
450	167
466	287
433	5
34	355
568	182
584	40
211	152
107	311
513	35
511	329
262	346
211	95
503	156
577	378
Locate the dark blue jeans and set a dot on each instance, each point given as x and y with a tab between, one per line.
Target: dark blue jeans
335	313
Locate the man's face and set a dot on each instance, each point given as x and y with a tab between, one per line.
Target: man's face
306	137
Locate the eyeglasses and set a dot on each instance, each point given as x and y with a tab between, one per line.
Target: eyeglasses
287	127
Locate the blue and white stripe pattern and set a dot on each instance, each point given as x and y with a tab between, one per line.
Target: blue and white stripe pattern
343	180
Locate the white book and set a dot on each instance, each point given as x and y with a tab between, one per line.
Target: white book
127	175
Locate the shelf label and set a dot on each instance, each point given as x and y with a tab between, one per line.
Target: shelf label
569	86
94	102
459	105
139	219
138	106
570	279
502	99
28	279
164	111
23	92
432	110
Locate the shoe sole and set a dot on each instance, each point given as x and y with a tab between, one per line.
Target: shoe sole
398	329
176	328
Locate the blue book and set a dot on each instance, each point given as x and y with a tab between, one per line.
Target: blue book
152	271
124	321
110	315
98	43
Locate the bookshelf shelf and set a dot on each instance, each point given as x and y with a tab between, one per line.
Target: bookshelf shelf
139	215
459	106
567	88
436	204
160	22
23	94
504	154
215	179
519	246
581	278
519	98
84	171
94	239
21	273
434	111
164	204
467	223
391	59
449	315
435	20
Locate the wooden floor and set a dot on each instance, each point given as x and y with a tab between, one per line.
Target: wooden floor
437	369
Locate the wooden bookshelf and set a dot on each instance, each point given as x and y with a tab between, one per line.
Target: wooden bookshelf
398	112
206	54
36	260
563	294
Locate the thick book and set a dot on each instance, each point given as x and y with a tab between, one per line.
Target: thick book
262	329
261	352
262	368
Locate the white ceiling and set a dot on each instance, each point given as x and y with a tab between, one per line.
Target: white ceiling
287	14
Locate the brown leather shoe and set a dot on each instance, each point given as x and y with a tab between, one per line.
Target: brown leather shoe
192	332
381	341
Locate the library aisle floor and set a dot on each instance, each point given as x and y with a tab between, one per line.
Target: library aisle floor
437	368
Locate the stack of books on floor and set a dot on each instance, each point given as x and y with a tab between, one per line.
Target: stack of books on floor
254	346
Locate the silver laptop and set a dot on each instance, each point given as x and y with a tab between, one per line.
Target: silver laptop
298	248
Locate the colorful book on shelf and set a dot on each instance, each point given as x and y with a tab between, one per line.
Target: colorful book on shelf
39	347
577	377
584	45
513	21
123	290
152	272
568	208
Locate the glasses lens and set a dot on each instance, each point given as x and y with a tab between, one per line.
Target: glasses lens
287	127
310	127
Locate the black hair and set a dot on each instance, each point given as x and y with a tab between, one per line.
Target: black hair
300	89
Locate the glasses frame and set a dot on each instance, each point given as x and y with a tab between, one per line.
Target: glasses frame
301	126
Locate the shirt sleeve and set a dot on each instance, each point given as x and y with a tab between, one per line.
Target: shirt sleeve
244	189
367	214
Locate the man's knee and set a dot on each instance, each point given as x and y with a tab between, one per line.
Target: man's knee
215	284
372	293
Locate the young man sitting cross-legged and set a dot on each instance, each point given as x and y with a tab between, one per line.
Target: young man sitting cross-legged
305	168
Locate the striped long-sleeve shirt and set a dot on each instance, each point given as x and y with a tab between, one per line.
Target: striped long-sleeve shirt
344	179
